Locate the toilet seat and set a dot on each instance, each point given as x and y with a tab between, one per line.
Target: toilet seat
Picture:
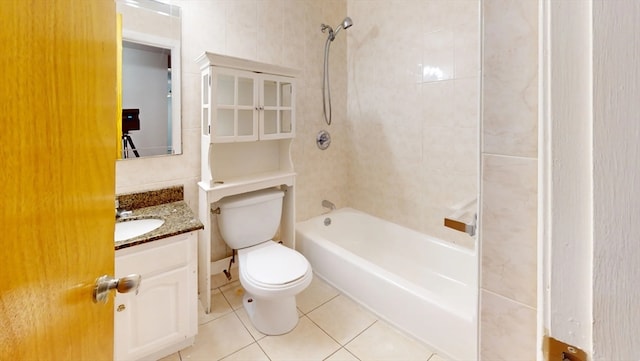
274	265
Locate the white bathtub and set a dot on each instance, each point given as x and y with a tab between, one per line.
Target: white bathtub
422	285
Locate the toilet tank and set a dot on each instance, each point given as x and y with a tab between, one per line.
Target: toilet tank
250	218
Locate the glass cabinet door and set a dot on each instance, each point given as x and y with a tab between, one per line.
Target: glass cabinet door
286	111
235	107
206	105
277	117
246	117
247	106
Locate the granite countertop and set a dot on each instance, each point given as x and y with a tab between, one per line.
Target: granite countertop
178	219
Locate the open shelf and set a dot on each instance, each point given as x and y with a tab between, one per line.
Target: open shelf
247	183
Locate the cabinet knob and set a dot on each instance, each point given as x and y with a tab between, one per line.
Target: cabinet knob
105	283
121	308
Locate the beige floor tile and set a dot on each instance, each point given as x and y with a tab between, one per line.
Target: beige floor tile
342	318
252	352
244	317
383	342
172	357
233	292
227	332
217	339
219	308
306	342
315	295
342	355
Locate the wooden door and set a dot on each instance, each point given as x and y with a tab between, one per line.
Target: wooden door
57	179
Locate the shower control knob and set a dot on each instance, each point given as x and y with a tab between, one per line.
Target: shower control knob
323	139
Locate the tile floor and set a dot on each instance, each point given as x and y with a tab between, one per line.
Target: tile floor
332	327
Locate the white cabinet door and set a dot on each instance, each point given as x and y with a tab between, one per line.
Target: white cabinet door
277	99
235	108
247	106
155	317
162	317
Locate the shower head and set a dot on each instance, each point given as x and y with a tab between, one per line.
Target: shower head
346	23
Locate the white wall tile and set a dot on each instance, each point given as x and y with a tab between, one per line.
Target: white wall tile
508	329
510	77
203	29
438	56
509	180
413	144
509	218
270	30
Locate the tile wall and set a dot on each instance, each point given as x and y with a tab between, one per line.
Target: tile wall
509	180
413	70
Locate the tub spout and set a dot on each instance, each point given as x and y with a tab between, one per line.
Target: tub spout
327	204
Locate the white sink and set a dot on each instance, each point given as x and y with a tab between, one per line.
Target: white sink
136	227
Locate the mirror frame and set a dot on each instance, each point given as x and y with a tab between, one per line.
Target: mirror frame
174	45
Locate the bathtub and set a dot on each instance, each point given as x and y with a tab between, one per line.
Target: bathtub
422	285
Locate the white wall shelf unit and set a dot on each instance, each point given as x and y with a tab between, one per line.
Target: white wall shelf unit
248	122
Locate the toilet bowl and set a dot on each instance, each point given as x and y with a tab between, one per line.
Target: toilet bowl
270	273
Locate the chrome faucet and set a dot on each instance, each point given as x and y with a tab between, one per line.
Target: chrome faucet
122	213
327	204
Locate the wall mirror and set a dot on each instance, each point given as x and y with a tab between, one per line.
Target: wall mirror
151	43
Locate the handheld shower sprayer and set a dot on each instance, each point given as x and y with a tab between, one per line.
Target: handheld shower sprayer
346	23
326	86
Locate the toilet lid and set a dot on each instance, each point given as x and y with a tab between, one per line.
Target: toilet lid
275	265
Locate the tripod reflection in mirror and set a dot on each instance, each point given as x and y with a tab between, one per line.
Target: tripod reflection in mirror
130	121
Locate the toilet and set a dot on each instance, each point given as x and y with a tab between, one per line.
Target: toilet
270	273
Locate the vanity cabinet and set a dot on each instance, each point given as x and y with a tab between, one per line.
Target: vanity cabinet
162	317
